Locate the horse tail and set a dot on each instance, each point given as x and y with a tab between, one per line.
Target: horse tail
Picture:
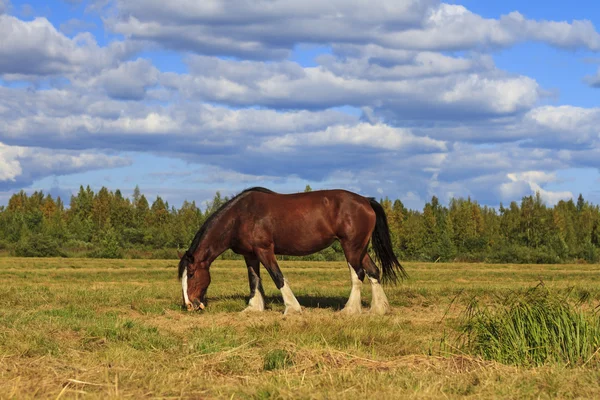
382	244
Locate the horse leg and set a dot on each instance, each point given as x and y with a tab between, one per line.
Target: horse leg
357	275
267	258
353	305
257	294
379	302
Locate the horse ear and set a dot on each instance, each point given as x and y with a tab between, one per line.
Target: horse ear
179	254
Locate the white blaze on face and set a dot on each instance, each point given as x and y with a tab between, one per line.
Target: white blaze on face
184	287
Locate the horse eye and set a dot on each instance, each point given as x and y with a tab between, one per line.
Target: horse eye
190	275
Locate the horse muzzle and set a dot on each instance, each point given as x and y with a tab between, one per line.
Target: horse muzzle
195	305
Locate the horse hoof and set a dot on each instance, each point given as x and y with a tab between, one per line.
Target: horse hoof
252	309
379	311
290	310
350	311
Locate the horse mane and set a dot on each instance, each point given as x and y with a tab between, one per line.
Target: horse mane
188	255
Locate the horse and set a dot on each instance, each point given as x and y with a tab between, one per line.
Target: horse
259	224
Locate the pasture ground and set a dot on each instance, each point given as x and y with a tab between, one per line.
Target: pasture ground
85	328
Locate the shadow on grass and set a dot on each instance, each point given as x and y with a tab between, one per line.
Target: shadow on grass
326	302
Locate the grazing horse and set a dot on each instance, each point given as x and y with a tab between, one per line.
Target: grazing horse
259	223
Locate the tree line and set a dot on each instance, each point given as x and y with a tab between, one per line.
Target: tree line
106	224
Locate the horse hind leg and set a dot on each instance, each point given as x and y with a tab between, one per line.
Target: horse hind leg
267	258
353	251
354	305
257	294
379	301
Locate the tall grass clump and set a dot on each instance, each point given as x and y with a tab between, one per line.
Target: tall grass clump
532	328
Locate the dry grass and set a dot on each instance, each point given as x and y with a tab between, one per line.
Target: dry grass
114	329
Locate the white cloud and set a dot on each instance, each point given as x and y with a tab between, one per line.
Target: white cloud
19	166
57	118
553	127
213	174
534	180
288	85
36	48
367	135
453	27
263	29
10	167
378	63
566	118
270	29
564	126
128	81
537	177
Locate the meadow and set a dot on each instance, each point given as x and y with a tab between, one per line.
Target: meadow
88	328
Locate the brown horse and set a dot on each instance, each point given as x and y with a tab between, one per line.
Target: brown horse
259	223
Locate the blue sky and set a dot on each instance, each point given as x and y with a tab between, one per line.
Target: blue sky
400	98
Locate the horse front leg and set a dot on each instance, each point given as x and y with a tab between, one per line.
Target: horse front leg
267	258
257	294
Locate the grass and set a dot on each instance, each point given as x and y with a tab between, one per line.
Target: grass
89	328
532	328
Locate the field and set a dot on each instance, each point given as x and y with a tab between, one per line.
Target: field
90	328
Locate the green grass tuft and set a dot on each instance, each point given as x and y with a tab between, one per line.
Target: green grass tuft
532	328
277	359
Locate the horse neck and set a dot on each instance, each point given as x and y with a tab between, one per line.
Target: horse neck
216	240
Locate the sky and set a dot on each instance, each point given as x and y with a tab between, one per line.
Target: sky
407	99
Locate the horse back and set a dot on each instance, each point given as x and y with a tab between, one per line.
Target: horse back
302	223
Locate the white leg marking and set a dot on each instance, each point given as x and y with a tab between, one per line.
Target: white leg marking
379	303
290	301
353	305
257	302
184	287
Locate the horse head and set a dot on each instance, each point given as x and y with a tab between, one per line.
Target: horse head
195	278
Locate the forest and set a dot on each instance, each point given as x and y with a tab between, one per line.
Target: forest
105	224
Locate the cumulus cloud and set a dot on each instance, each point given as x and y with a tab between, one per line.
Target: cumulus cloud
263	29
213	174
378	63
367	135
128	81
20	166
289	85
69	119
468	161
533	180
271	29
36	48
453	27
544	127
564	126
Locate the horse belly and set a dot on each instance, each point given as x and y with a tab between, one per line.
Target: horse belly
302	241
